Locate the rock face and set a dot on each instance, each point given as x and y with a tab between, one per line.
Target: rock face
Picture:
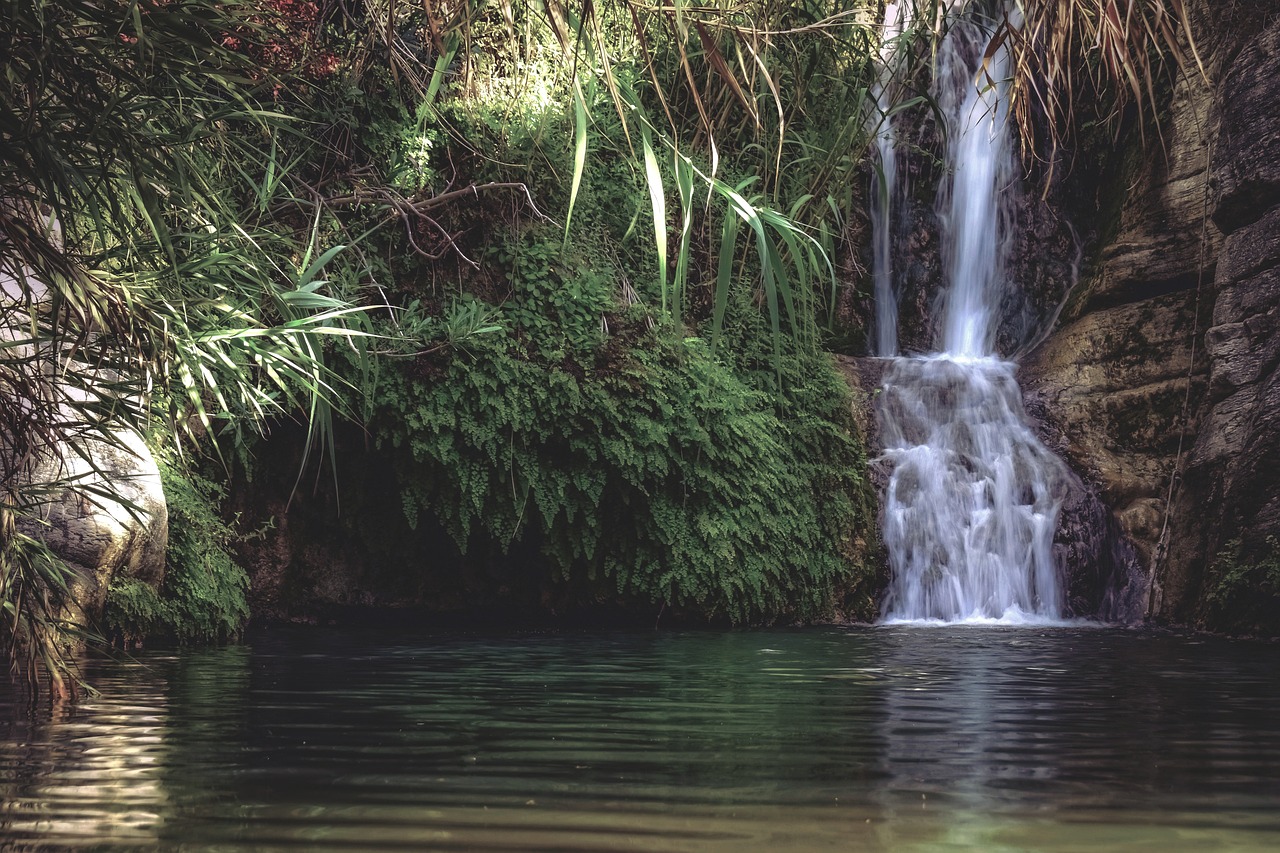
1231	488
349	554
1160	382
97	537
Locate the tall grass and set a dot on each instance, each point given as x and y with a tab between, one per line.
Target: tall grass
706	101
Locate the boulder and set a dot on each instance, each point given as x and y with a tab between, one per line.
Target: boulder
99	506
100	538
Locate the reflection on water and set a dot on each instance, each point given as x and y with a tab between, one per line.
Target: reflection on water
862	739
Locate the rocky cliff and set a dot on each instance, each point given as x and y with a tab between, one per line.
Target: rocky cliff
1159	383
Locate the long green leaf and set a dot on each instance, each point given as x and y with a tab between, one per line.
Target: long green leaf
684	183
657	200
579	151
452	43
724	272
319	263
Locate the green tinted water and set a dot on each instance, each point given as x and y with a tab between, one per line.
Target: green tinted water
863	739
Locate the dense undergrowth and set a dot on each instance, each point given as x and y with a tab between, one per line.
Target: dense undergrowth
556	403
599	335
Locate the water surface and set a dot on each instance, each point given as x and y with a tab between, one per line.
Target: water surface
890	738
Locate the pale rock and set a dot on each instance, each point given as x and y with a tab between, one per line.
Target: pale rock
98	538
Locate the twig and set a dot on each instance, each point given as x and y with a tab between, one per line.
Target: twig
399	207
425	204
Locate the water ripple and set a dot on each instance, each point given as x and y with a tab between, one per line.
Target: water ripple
886	738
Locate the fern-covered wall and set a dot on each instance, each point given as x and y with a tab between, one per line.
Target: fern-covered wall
639	472
599	383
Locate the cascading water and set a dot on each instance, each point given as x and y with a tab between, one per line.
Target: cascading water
897	17
973	498
980	161
972	503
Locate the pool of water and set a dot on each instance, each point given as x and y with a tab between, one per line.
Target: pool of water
891	738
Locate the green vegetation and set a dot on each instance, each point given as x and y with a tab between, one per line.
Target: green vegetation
142	277
1243	589
650	469
609	343
202	596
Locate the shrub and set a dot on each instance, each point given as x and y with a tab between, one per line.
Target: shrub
1242	591
651	469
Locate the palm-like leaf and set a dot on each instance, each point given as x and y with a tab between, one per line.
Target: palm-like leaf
130	258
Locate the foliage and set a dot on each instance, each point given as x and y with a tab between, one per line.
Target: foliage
1242	590
136	163
556	399
563	105
35	594
202	596
557	299
642	465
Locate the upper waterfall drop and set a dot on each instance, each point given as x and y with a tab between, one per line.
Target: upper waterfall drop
972	502
975	225
898	16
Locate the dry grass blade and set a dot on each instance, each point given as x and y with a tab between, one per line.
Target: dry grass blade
721	67
1121	48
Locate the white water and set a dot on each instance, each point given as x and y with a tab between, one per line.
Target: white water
973	225
897	17
973	498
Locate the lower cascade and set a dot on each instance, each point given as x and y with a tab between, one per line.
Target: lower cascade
973	498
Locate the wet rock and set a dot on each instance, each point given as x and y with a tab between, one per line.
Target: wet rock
1103	577
1111	388
865	377
1230	489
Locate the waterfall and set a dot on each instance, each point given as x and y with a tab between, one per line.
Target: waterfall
898	15
980	161
973	498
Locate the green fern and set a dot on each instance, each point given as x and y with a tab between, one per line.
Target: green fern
653	469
